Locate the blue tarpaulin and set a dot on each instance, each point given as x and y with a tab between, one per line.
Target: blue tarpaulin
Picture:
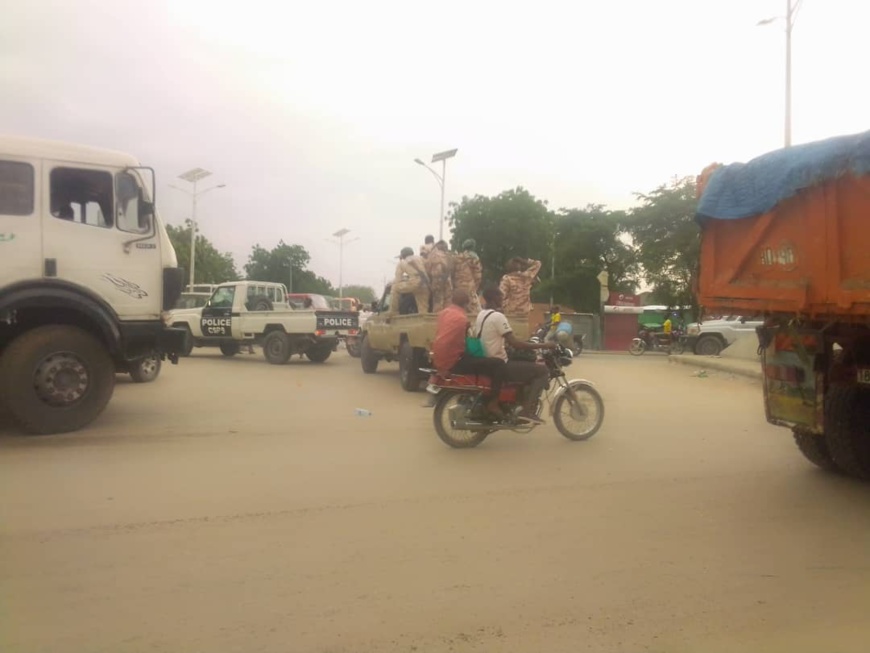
742	190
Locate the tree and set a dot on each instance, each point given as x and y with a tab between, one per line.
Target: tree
211	265
365	294
588	241
513	223
666	238
287	264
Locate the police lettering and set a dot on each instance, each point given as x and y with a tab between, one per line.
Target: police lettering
347	322
217	321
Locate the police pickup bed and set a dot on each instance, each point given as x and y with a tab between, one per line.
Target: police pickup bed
245	313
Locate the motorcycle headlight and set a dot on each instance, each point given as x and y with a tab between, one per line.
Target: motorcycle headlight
566	357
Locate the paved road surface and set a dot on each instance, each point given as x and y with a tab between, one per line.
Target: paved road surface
237	506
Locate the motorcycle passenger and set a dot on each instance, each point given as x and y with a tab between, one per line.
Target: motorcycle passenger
450	356
495	332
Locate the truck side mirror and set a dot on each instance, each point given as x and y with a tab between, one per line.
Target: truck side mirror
375	307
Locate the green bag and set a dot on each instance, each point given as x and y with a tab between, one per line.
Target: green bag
473	346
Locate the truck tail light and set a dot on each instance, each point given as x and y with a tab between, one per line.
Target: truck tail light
320	332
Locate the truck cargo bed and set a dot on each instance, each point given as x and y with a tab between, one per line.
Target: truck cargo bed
809	256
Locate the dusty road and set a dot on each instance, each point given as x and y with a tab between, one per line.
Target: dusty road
237	506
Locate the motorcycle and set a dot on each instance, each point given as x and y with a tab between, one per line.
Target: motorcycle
564	336
649	340
462	420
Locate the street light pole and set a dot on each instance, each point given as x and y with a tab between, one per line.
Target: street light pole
791	10
193	176
442	157
340	234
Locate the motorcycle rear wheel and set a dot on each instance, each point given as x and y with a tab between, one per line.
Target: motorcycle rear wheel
445	426
637	347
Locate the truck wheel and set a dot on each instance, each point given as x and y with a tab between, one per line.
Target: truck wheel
352	346
56	379
708	346
409	367
368	358
188	341
319	354
847	430
146	369
814	448
276	348
229	348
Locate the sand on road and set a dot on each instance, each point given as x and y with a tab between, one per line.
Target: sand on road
234	505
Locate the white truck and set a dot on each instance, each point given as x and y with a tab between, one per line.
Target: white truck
242	313
86	274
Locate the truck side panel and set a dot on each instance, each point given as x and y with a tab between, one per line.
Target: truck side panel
810	255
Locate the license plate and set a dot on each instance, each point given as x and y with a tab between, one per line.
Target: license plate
864	376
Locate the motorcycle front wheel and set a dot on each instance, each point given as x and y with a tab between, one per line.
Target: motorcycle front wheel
451	410
637	347
579	420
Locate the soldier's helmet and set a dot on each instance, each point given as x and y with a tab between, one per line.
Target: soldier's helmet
406	252
469	244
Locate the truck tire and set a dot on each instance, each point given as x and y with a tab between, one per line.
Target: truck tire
276	348
409	367
319	354
56	379
847	431
230	348
146	369
352	346
259	303
368	358
815	449
708	346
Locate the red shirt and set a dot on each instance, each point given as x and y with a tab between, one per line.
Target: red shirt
449	343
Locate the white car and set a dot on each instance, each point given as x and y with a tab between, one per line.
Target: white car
709	338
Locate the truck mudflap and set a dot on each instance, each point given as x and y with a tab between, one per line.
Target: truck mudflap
171	341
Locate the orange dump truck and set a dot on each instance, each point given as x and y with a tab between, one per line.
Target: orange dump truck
787	236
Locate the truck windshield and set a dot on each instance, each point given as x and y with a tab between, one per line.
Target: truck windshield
223	297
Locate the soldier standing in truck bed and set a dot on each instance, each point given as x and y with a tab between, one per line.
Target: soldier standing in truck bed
439	267
410	279
516	285
467	274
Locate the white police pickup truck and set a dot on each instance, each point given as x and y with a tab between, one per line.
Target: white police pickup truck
243	313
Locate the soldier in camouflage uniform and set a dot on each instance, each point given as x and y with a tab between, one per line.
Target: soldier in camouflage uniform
467	274
439	267
410	279
516	285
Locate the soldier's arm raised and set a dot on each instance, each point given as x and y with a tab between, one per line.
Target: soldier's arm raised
534	267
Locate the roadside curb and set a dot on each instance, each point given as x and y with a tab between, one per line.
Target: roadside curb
745	368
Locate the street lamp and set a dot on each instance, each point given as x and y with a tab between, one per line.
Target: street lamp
193	176
442	157
340	234
791	9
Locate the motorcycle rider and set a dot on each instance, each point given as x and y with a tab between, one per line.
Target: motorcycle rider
496	332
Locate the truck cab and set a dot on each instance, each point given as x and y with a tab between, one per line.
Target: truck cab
87	272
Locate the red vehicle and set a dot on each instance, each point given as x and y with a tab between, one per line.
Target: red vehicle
462	421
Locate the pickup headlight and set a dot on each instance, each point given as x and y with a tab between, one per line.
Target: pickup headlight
693	330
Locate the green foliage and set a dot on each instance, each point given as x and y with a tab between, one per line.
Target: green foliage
513	223
667	240
365	294
588	241
287	264
211	265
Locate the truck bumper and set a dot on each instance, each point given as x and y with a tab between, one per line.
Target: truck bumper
691	341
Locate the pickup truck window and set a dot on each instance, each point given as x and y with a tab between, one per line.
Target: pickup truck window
16	188
223	297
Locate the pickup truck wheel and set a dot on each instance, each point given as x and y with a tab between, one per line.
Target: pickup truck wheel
352	346
276	348
56	379
319	354
368	358
409	368
814	448
146	369
708	346
847	429
230	348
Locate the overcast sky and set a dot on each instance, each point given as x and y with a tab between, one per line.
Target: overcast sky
313	112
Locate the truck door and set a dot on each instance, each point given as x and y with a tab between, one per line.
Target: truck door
217	314
20	231
98	235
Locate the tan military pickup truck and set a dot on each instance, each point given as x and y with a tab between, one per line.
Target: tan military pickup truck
408	340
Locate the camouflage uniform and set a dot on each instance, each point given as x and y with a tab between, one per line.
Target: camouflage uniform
467	274
516	287
411	278
439	267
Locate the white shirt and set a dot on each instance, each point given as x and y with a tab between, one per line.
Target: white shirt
494	330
